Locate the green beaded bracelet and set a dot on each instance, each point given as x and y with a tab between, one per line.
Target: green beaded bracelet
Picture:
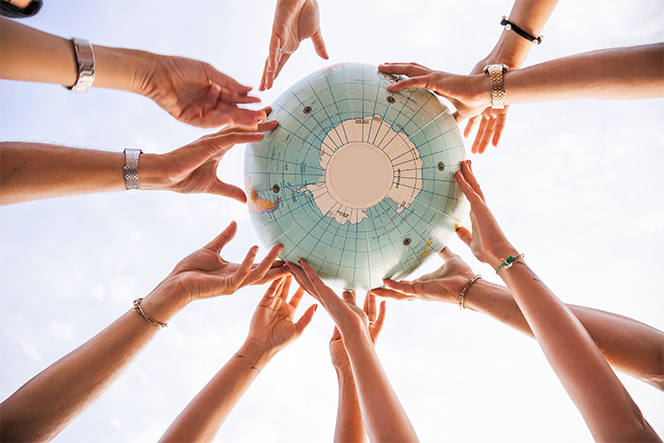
508	262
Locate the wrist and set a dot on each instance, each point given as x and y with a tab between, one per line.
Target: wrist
500	254
164	302
511	50
152	172
124	69
256	354
344	374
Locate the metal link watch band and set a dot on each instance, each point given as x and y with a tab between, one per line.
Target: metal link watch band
131	169
497	87
85	59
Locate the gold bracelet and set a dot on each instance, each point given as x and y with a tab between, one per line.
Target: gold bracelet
137	307
462	294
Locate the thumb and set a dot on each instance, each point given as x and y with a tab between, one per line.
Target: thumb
226	190
306	318
319	45
465	235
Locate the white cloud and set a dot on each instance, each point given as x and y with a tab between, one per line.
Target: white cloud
30	350
62	330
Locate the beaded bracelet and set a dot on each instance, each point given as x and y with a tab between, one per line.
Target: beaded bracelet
137	307
511	26
508	262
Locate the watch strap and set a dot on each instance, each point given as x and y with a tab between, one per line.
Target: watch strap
497	86
85	59
131	169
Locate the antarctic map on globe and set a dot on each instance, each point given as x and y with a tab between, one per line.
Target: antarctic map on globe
357	180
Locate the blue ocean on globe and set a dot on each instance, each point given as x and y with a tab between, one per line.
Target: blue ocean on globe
357	180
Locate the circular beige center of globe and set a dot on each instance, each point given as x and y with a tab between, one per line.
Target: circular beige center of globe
359	175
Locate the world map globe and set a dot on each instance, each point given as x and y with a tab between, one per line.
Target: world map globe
357	180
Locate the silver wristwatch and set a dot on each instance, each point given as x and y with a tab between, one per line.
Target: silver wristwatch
131	169
85	60
497	86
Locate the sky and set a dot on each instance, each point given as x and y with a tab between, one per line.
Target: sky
575	185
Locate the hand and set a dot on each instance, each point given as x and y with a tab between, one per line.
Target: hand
348	317
193	168
204	274
272	324
468	93
338	353
443	284
294	21
492	121
486	240
197	94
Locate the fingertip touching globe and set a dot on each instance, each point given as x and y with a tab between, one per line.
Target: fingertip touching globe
357	180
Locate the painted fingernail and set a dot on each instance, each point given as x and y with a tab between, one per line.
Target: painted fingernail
286	267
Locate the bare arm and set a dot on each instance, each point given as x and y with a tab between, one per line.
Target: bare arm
617	73
192	91
634	72
628	345
46	404
383	415
34	171
272	329
349	426
602	400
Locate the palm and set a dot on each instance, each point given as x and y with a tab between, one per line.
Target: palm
446	281
204	274
273	324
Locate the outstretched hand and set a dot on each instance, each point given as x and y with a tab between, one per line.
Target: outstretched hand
466	92
338	353
197	94
348	317
443	284
193	168
486	240
272	325
204	274
294	21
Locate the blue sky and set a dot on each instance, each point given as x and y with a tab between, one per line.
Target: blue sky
576	186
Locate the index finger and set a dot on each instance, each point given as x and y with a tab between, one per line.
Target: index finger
409	69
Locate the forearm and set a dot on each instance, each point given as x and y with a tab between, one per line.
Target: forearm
604	403
28	54
204	415
628	345
635	72
349	426
382	413
46	404
34	171
531	16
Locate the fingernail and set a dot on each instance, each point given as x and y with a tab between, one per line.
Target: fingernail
286	267
315	307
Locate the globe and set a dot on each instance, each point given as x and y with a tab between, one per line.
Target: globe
357	180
